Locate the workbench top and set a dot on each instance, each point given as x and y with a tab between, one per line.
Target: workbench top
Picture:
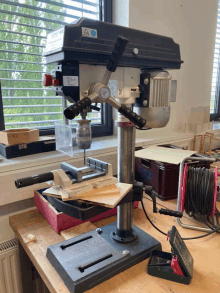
205	252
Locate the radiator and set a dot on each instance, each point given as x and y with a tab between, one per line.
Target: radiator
10	276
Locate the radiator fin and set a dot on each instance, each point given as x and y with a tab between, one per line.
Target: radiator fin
15	272
8	244
2	277
160	92
10	277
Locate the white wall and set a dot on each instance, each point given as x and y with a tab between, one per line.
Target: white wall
191	24
121	12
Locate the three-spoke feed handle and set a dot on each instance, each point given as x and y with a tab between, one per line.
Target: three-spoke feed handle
74	110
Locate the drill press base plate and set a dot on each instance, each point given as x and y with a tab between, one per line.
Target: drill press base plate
92	258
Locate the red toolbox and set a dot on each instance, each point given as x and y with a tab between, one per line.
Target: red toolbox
60	221
164	177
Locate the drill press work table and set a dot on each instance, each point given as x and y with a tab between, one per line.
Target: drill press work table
205	252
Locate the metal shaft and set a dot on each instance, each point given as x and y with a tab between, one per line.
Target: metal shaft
126	149
64	105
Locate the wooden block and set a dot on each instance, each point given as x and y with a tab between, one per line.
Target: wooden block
108	196
70	194
54	191
105	182
78	230
30	238
61	179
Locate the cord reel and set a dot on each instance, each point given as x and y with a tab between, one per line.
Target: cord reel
199	191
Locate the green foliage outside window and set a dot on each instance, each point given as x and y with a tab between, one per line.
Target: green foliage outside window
22	41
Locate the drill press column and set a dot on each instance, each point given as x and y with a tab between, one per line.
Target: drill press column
126	162
126	149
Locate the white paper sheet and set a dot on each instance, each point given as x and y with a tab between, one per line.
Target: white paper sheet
163	154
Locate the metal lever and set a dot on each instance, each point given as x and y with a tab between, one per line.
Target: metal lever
72	111
151	193
171	213
127	112
117	52
95	108
28	181
132	116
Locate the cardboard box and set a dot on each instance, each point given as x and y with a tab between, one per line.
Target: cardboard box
19	136
60	221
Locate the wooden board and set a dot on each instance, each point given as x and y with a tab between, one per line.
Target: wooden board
108	196
76	189
205	252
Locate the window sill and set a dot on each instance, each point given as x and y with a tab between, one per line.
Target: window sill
103	145
216	125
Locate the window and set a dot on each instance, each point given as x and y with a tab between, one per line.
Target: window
24	25
215	93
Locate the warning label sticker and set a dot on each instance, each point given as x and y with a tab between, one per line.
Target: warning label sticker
89	32
55	40
71	81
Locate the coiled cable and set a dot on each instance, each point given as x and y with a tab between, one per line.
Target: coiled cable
199	196
199	199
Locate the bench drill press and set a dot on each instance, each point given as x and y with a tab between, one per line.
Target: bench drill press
80	76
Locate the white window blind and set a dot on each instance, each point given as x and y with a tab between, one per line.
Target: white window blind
24	25
214	102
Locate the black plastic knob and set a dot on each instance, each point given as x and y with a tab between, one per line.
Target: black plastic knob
28	181
133	117
95	108
117	52
72	111
171	213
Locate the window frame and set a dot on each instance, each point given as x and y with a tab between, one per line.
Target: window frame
216	116
98	130
2	120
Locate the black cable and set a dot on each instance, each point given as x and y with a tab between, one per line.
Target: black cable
199	196
191	238
200	188
215	230
150	219
212	226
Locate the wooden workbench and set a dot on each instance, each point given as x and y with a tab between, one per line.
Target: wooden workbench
205	252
